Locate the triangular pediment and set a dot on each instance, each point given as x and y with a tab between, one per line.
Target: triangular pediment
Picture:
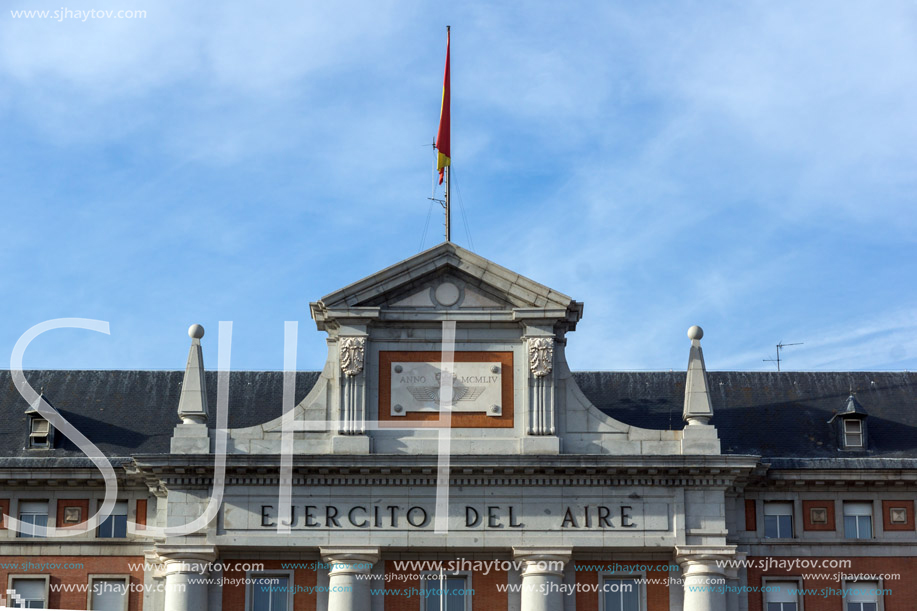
446	290
447	277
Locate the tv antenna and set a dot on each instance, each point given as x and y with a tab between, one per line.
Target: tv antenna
780	346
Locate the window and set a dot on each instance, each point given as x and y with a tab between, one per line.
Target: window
444	592
620	594
39	432
778	520
32	593
270	592
781	596
108	593
853	433
115	525
862	596
858	520
32	514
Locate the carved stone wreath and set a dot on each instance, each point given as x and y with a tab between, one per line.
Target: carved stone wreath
541	355
352	349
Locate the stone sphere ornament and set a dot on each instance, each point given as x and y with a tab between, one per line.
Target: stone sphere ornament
195	331
695	332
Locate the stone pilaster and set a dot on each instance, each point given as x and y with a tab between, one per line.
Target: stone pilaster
542	577
347	592
541	385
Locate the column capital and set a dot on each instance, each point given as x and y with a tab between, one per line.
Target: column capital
350	560
705	559
692	553
186	558
543	560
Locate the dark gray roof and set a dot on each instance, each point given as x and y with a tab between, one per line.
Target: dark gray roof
770	414
133	412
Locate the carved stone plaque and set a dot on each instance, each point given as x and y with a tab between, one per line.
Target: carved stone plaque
476	387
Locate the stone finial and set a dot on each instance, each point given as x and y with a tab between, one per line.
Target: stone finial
698	407
192	405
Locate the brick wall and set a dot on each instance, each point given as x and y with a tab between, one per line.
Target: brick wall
657	594
904	591
92	565
234	595
486	596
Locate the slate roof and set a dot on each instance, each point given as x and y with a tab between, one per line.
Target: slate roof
768	413
775	415
134	412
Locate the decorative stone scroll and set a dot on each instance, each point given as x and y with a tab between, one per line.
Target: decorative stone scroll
352	351
541	355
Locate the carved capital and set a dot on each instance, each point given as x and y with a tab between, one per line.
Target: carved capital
541	355
352	352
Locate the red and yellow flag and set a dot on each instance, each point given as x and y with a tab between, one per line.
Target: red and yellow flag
442	136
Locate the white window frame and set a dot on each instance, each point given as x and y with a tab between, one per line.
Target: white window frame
445	575
640	578
124	578
797	581
792	514
126	514
251	576
20	514
848	584
34	435
859	432
34	577
871	515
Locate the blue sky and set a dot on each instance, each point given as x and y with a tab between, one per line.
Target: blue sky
749	166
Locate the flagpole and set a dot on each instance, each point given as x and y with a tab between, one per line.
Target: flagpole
442	146
448	210
447	168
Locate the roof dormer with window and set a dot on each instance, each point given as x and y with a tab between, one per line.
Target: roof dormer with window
40	432
851	423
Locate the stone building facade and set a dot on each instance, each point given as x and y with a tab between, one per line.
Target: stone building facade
446	458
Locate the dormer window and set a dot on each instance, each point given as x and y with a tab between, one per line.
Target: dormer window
39	433
853	433
851	426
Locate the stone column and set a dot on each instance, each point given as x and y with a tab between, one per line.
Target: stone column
734	581
704	580
345	591
542	577
183	566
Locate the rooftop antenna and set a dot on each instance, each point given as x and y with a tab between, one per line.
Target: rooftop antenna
780	346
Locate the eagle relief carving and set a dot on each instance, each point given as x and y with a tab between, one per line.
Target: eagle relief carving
541	355
352	355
